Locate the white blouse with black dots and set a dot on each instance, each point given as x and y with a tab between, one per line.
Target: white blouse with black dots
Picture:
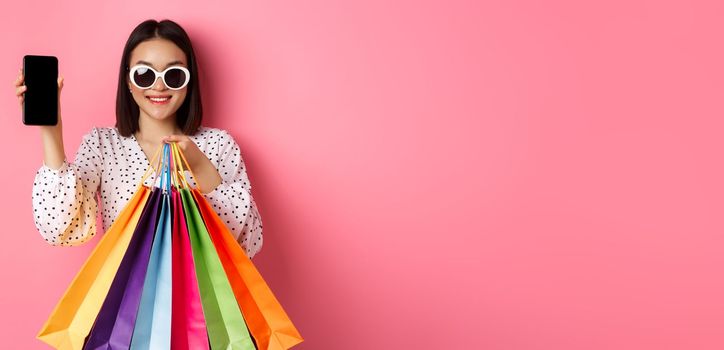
109	166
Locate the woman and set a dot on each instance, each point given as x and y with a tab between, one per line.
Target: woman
111	161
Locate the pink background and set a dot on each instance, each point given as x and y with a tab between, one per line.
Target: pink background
431	175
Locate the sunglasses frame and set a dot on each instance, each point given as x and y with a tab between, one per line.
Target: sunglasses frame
158	74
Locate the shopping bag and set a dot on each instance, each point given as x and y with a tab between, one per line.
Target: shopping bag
116	319
224	321
152	329
266	319
187	317
72	318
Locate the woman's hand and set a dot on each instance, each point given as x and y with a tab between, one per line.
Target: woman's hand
191	152
20	88
204	171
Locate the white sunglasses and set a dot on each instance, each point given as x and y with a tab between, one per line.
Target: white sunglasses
144	77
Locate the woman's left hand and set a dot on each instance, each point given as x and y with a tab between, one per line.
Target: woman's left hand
191	152
205	172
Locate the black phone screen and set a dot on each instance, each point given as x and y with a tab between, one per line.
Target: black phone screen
40	106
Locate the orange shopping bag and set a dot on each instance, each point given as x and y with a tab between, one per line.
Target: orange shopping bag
266	319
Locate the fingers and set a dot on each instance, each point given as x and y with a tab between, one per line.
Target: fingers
174	138
20	79
60	87
21	100
20	88
18	83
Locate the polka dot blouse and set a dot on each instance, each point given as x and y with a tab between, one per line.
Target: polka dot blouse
108	168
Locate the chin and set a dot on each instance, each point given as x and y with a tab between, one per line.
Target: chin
155	115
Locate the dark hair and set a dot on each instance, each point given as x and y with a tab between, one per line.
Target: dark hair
188	116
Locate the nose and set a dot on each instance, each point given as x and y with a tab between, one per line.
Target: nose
158	84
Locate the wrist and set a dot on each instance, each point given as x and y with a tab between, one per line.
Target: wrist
53	149
51	132
207	176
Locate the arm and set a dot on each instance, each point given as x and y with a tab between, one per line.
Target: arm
232	198
64	198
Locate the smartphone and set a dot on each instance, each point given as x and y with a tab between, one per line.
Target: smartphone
40	106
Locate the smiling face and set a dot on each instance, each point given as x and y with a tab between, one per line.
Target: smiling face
158	102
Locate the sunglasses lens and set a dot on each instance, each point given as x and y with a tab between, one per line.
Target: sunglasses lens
175	78
144	77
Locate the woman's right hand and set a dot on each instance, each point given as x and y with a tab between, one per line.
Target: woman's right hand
20	89
52	135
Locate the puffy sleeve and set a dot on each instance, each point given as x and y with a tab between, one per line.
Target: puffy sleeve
64	199
232	199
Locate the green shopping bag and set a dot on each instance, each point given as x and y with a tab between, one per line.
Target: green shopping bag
224	322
